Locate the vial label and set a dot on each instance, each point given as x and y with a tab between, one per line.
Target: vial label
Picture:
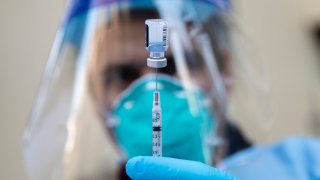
165	35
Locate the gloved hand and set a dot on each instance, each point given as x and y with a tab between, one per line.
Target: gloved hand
162	168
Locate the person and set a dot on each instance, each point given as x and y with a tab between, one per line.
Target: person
96	98
92	116
123	85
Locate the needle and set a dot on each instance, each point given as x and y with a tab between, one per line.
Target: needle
156	79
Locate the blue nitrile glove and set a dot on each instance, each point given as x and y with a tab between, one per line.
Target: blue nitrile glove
160	168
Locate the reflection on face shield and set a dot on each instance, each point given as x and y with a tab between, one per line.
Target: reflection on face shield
111	82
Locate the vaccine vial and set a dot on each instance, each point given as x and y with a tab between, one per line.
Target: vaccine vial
156	35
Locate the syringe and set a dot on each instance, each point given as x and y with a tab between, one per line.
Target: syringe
156	125
156	44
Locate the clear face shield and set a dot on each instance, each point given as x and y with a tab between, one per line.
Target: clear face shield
93	110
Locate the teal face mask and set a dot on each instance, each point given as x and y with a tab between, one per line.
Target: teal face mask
184	133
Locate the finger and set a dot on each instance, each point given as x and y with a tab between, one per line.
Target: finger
156	168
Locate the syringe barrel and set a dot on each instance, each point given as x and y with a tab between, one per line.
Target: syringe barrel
156	126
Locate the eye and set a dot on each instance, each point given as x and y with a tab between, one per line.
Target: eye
124	73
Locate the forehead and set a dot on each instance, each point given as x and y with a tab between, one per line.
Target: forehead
120	43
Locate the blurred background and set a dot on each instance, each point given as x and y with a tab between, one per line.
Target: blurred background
281	35
26	35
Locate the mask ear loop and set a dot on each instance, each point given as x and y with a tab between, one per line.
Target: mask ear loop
111	121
